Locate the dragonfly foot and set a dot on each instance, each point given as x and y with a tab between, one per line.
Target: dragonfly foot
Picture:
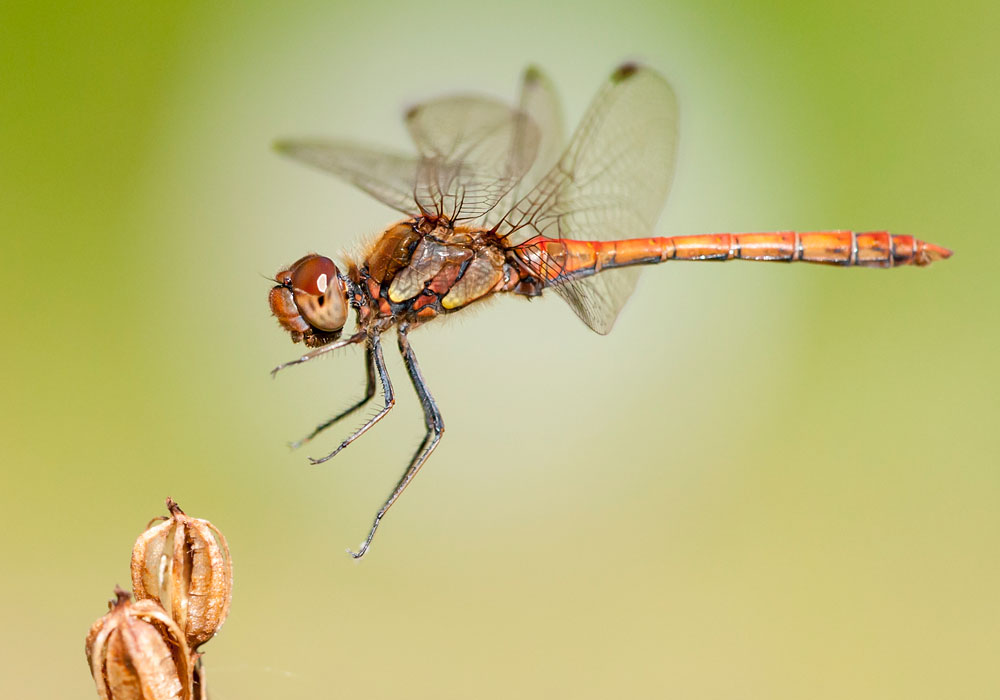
345	443
274	372
313	461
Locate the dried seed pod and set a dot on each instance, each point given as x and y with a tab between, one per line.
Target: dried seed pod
184	564
136	652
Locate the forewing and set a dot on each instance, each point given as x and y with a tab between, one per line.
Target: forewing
538	100
389	177
473	151
611	182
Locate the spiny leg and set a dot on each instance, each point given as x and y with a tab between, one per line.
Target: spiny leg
329	347
435	427
375	352
369	393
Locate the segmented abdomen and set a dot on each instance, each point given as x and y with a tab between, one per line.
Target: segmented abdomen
556	260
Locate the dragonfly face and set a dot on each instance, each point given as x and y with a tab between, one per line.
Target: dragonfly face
310	300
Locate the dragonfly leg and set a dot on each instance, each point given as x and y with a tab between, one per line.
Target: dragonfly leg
435	427
329	347
369	393
375	355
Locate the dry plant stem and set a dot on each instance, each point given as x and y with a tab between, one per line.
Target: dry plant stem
199	687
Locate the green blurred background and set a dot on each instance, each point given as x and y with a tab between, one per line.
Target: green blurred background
768	482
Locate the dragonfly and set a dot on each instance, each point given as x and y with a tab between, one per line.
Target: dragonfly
496	201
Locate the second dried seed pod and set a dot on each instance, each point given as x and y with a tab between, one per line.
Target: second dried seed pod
183	563
136	652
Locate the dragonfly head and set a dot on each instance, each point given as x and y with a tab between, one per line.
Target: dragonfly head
310	300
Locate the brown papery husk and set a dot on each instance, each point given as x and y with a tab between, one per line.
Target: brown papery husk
136	652
183	563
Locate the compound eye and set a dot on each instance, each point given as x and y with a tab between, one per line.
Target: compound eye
313	274
318	293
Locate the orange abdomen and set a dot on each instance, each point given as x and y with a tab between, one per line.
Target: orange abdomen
556	259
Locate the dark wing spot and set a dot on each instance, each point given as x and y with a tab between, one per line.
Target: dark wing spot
625	71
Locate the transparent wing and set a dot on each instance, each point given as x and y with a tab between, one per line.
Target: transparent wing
388	177
611	182
540	103
473	151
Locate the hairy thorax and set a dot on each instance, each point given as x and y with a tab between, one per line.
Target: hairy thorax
417	270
